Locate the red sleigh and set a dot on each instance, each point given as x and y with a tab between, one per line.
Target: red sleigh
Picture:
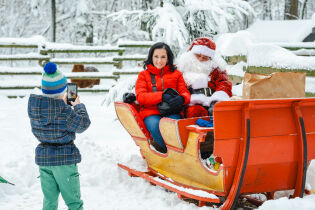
265	146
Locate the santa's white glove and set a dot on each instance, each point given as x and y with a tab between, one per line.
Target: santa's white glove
198	99
216	96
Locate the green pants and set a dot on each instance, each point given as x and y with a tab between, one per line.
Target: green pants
60	179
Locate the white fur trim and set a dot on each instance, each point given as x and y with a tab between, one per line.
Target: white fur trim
196	80
201	49
217	96
197	99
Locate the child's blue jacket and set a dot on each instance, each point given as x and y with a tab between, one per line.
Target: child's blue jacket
54	124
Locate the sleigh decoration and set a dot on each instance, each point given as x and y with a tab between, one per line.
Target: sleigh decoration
265	146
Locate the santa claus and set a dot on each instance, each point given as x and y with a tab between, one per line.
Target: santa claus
206	79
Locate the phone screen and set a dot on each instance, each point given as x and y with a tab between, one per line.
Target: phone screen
72	91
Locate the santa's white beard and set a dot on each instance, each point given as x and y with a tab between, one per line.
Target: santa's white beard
188	62
195	73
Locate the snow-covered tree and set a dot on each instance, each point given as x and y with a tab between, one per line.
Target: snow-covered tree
179	22
277	9
101	22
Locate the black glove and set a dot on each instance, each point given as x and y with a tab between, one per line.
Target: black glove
210	110
166	97
176	101
176	104
129	97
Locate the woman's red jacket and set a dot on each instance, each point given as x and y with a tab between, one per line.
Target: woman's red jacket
164	78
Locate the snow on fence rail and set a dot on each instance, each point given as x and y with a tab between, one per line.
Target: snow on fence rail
295	45
84	60
69	48
30	87
268	58
298	51
28	56
135	71
33	42
135	44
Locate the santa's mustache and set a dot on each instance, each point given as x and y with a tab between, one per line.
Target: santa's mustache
189	63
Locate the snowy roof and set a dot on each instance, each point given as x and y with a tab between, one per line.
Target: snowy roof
282	31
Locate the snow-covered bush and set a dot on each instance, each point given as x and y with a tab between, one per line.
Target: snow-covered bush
122	86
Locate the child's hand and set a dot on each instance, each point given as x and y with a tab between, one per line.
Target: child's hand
77	101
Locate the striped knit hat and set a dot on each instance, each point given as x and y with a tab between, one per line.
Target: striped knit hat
54	83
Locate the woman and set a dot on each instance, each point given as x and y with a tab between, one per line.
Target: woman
160	73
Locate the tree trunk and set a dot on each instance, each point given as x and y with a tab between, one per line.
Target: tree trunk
303	10
267	8
291	9
146	4
53	20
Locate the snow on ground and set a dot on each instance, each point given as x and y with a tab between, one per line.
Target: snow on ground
103	184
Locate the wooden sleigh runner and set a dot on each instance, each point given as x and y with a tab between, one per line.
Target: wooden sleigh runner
265	146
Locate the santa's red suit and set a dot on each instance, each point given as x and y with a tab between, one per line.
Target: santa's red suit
204	74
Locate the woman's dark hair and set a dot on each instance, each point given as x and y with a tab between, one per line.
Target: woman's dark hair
170	55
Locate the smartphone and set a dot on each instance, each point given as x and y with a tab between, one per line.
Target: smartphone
72	92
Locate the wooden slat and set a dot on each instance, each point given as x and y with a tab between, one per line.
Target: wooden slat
231	60
71	75
78	50
19	57
130	58
84	61
126	72
16	45
19	87
90	75
21	72
135	45
269	70
28	87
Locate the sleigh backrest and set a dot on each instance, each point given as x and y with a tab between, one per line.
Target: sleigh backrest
175	133
131	120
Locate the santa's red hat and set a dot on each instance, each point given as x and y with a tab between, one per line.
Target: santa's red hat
203	46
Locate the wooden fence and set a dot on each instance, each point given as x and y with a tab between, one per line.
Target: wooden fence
49	52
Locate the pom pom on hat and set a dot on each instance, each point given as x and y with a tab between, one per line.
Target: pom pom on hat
203	46
50	68
54	83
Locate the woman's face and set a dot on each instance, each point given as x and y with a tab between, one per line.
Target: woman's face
159	58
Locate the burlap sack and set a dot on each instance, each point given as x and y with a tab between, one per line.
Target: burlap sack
275	85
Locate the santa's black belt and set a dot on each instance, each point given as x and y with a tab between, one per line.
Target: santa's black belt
205	91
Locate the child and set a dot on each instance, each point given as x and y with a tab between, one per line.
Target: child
54	124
